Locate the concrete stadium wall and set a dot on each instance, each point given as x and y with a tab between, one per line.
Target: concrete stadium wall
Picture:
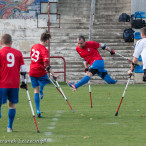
138	5
25	33
25	21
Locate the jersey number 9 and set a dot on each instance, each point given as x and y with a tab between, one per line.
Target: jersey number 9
10	59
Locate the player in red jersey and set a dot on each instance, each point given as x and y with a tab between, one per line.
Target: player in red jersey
39	64
11	62
90	55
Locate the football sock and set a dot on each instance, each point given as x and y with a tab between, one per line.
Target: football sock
82	81
37	101
41	92
11	116
109	80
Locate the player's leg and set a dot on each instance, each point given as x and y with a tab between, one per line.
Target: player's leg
43	81
0	109
13	99
41	92
82	82
99	65
11	116
35	85
92	71
106	77
37	101
3	98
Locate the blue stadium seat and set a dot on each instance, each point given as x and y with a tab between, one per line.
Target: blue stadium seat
140	59
143	15
137	35
139	69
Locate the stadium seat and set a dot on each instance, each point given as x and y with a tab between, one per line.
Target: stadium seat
143	15
140	59
139	69
137	35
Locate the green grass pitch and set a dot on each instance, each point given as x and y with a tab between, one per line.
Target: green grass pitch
97	126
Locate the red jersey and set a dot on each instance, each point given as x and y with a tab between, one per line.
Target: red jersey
39	54
89	52
10	62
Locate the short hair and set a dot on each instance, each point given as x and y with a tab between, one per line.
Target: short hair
6	39
81	37
45	36
143	30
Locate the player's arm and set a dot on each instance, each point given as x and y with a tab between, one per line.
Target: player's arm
84	61
45	55
49	69
137	52
85	64
104	47
134	62
23	74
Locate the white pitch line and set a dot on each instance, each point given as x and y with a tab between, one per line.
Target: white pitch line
51	127
48	133
49	140
60	112
114	123
55	119
57	115
53	123
42	141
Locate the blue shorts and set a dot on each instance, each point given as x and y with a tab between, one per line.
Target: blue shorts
39	81
99	65
11	94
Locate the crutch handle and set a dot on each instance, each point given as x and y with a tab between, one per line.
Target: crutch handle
54	78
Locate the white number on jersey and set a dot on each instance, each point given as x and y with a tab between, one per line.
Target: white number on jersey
10	59
35	54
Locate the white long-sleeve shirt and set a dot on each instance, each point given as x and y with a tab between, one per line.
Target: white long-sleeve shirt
140	49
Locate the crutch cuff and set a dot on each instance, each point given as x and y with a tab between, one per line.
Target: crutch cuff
135	64
48	68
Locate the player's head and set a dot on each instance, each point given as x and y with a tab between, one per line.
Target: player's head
81	41
6	39
143	32
45	37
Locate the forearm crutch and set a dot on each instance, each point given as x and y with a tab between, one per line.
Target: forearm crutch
31	105
60	90
90	94
120	55
116	114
